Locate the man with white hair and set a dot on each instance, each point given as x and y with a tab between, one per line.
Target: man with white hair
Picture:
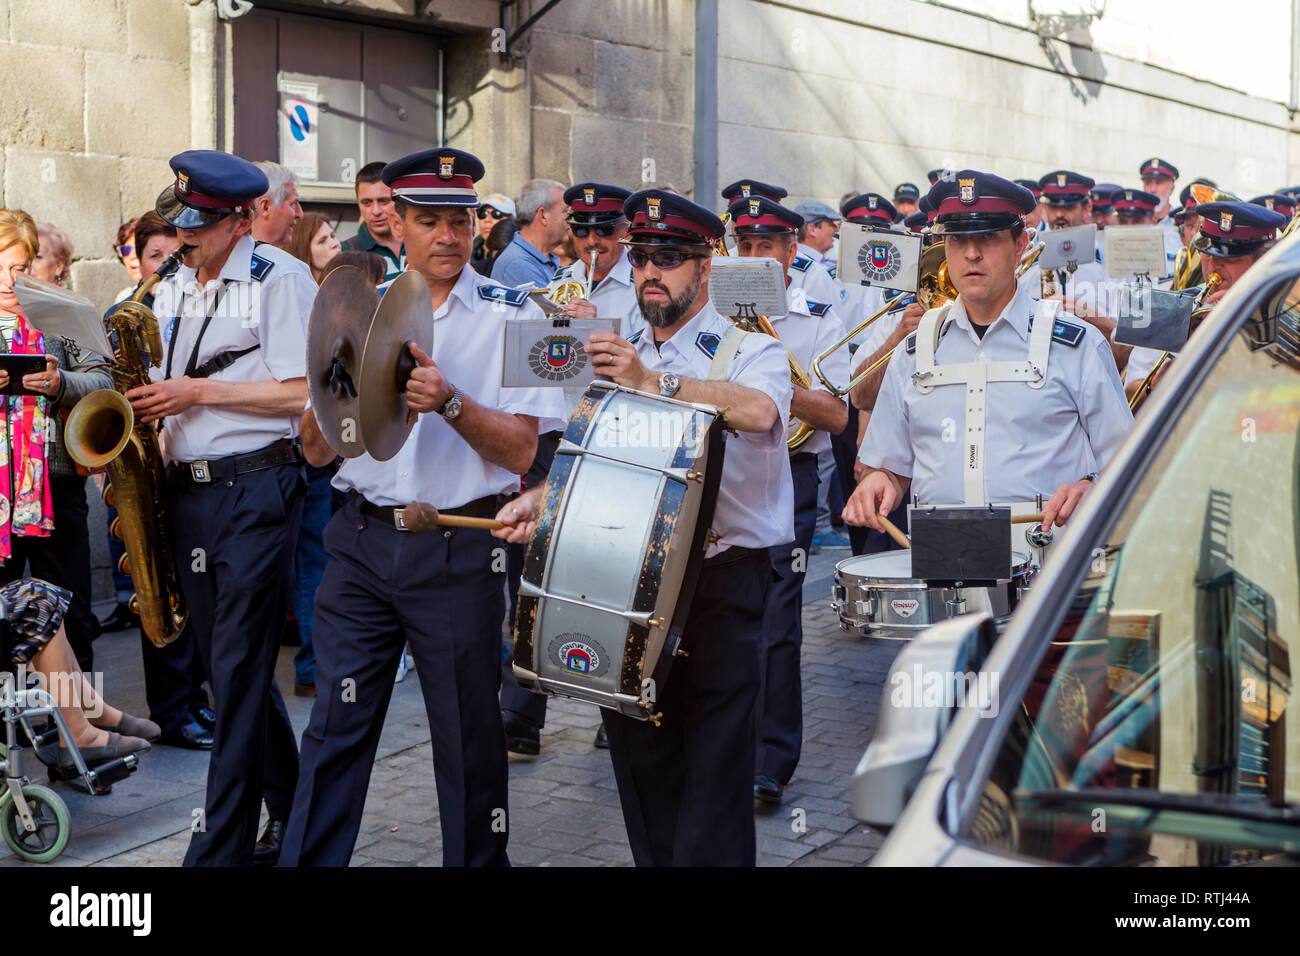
275	213
541	213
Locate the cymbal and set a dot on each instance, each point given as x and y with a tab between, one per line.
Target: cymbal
341	317
405	314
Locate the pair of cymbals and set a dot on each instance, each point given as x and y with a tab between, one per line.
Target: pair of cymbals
358	360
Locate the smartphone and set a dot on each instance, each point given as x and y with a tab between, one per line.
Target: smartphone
17	366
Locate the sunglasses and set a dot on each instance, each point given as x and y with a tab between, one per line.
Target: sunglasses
582	232
485	211
662	258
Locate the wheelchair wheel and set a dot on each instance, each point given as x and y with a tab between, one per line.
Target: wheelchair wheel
52	826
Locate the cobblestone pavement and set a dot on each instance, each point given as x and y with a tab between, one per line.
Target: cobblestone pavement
564	807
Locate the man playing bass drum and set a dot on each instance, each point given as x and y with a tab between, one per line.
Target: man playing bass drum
687	785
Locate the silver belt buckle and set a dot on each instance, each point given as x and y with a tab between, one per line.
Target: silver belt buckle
398	522
200	472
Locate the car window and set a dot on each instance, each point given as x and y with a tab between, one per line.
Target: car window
1160	726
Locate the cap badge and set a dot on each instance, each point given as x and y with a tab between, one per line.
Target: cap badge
966	190
1268	203
871	202
744	190
1060	180
589	196
1128	195
753	208
182	183
1225	221
652	207
445	166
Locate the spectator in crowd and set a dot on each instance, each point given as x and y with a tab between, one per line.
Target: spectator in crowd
376	233
501	236
156	239
42	497
493	209
313	241
35	610
53	262
540	211
124	249
275	213
565	251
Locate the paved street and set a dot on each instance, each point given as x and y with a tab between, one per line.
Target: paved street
563	804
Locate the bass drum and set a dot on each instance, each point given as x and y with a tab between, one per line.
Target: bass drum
875	595
613	562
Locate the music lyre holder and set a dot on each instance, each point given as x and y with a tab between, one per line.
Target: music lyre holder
745	310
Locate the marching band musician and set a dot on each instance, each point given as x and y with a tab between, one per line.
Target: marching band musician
1046	426
1232	238
441	591
764	228
597	225
231	387
1035	224
1158	178
687	785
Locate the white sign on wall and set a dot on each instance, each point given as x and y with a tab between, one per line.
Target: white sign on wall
300	129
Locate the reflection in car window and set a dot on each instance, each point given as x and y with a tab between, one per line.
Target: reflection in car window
1161	726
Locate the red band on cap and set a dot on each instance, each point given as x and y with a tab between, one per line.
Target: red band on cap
858	211
1140	204
676	224
1157	170
953	204
600	205
430	184
192	198
767	219
1212	226
1069	189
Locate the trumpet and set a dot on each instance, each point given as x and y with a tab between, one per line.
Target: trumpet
933	289
1199	310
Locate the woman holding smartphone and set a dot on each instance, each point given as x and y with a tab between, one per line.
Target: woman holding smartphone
42	497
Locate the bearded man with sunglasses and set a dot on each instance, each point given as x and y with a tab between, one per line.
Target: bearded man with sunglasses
687	785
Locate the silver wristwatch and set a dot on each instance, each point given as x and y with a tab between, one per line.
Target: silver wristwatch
451	410
669	384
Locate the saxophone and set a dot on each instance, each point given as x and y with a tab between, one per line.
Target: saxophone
101	431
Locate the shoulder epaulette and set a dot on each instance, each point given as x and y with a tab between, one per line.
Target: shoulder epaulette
831	271
707	342
801	263
259	267
817	308
1067	333
500	293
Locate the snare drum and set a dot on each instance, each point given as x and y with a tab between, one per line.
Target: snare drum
875	595
620	540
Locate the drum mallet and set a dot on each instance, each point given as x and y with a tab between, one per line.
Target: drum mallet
421	518
1027	519
894	532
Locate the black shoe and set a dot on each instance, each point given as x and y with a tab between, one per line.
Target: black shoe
602	739
522	735
206	718
267	850
121	619
193	736
767	790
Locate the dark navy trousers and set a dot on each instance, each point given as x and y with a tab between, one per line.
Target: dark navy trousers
780	724
443	593
687	786
234	539
844	447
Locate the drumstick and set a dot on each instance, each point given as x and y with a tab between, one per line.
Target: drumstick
1027	519
894	532
421	518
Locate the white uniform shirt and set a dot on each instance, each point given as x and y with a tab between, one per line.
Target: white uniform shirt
437	465
1035	439
827	260
614	296
271	312
805	335
815	281
756	496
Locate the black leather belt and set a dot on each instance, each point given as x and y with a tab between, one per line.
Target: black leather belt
736	553
206	470
486	507
803	456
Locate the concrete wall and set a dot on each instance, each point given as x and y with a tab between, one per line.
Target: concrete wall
857	95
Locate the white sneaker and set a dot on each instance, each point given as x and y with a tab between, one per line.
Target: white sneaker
404	663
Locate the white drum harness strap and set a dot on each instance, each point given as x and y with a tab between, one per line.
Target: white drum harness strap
976	376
